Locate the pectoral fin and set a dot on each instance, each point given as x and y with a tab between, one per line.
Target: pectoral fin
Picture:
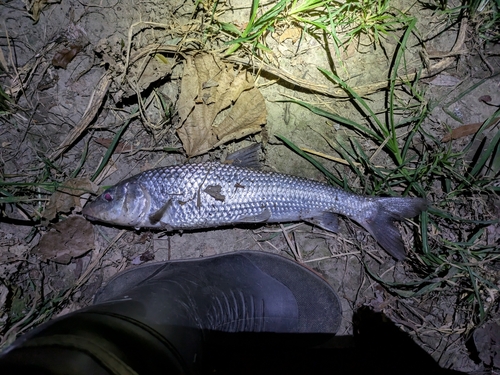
156	217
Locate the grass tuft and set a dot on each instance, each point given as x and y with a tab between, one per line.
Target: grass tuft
343	22
456	252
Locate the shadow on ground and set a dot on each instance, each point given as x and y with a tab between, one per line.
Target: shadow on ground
377	347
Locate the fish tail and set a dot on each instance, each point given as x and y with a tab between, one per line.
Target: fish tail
380	221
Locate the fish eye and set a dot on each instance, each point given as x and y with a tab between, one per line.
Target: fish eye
108	197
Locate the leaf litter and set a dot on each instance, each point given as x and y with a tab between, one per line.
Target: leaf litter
217	104
67	197
68	239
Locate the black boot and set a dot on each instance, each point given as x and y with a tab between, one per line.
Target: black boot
159	317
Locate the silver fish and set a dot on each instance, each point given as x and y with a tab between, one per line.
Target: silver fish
213	194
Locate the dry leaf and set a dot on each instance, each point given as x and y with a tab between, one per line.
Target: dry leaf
292	33
64	56
36	8
445	80
67	239
120	148
465	130
217	105
248	110
67	196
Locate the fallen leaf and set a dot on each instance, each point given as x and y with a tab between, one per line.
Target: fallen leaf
292	33
247	110
217	104
64	56
35	7
445	80
465	130
120	148
215	192
67	196
485	99
66	240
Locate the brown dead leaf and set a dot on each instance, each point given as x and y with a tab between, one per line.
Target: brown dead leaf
67	196
217	105
120	148
465	130
64	56
292	33
445	80
67	239
246	110
36	8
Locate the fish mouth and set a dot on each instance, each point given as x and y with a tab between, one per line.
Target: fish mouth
88	214
91	218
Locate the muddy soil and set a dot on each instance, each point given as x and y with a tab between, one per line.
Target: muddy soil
75	82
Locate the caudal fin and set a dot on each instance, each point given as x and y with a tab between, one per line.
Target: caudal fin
381	223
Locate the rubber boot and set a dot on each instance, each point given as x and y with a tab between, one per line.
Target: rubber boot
158	318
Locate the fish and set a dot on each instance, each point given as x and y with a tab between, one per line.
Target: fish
215	194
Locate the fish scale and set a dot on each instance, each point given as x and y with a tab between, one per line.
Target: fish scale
213	194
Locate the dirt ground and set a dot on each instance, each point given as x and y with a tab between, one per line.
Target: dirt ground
75	74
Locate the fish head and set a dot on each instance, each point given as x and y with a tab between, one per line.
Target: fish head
125	204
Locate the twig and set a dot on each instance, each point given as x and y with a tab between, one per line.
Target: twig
93	107
293	245
365	89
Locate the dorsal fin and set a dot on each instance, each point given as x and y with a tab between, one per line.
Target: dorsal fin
247	157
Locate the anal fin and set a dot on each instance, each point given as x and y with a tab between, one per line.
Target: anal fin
325	220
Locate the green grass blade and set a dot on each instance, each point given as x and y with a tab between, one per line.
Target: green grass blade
271	16
112	146
311	160
495	160
342	120
253	15
393	79
230	28
82	160
490	150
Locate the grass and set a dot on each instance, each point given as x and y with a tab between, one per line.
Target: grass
349	19
5	102
459	258
483	14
